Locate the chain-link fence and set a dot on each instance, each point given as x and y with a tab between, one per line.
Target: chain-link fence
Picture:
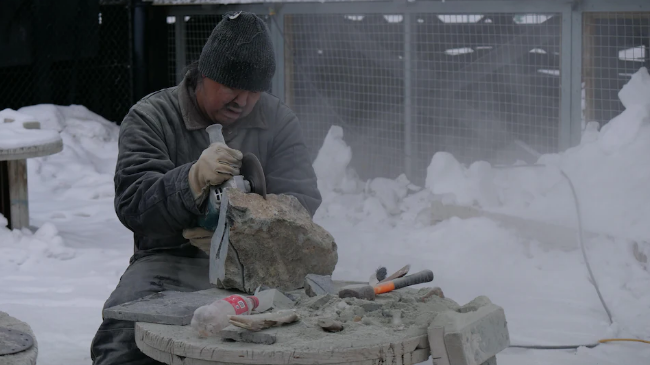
405	84
481	87
616	45
67	52
404	80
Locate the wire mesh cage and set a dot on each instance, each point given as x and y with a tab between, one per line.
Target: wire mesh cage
68	52
478	86
615	46
348	70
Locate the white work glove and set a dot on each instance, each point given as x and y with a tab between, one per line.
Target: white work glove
217	164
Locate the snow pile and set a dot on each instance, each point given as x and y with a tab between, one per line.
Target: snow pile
23	248
85	167
331	165
445	176
346	196
14	134
609	169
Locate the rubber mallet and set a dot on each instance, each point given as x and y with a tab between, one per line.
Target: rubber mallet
367	292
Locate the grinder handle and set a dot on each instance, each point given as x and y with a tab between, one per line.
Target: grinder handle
215	133
423	276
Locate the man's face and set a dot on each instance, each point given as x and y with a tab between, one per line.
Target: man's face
222	104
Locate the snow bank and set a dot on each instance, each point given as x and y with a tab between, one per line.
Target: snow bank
23	248
85	167
13	133
345	195
331	165
610	170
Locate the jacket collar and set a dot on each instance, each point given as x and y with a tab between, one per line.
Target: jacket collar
194	119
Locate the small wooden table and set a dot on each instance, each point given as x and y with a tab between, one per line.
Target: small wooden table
13	179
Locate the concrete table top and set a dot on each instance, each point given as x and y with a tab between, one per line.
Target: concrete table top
180	345
13	176
31	151
27	357
174	344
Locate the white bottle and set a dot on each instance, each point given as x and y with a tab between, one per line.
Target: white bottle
210	319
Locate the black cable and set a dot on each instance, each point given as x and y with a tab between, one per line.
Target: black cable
584	254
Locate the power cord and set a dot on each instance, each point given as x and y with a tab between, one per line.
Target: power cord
591	274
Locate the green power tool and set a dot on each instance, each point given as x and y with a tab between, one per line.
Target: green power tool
250	180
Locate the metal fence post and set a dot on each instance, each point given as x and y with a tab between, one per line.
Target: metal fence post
576	76
566	80
408	116
277	28
180	45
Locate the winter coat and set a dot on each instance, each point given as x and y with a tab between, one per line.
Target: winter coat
164	134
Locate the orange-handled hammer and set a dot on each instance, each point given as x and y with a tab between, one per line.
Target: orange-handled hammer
423	276
367	292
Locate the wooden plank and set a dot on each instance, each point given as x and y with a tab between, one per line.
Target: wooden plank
587	64
181	341
19	210
5	202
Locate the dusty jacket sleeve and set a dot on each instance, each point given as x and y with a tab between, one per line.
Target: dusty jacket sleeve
152	195
289	169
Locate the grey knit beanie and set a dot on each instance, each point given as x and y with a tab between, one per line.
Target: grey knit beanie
239	53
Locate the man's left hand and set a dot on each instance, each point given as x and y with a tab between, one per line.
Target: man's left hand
199	237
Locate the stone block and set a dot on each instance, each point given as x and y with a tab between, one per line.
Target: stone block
238	334
470	338
274	242
273	298
167	307
26	357
370	306
491	361
319	285
318	302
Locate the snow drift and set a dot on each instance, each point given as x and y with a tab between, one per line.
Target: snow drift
81	172
610	170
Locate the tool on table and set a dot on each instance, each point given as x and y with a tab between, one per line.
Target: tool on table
377	276
380	275
251	180
369	292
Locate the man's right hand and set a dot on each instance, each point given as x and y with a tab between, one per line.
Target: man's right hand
217	164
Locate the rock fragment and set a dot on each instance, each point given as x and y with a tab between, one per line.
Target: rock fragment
330	325
235	333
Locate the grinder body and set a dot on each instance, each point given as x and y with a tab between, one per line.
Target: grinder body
251	180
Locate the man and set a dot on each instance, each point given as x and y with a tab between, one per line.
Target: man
165	167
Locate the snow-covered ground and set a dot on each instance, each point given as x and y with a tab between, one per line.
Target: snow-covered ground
57	278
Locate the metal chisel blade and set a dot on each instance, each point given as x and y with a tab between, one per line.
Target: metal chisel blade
217	250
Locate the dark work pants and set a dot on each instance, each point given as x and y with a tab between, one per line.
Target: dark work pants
114	342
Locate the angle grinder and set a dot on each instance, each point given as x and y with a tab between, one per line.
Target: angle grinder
250	180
